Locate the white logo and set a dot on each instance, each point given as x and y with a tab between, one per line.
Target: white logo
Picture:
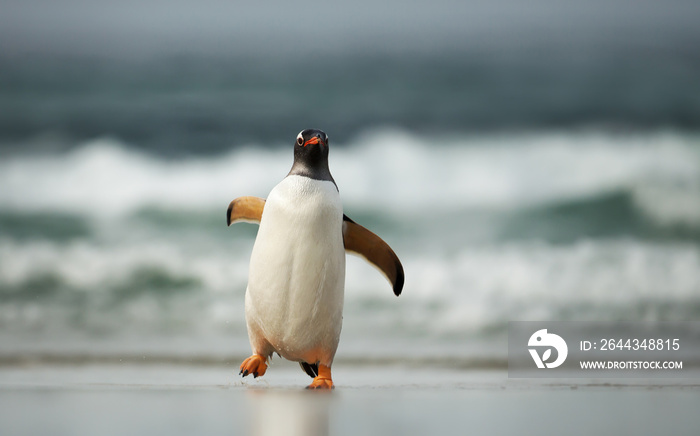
543	339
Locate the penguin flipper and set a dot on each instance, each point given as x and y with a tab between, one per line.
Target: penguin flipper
245	209
358	240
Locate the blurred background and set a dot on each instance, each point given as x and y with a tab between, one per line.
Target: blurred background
527	161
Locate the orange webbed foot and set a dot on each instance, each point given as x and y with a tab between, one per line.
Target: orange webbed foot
255	365
321	383
323	379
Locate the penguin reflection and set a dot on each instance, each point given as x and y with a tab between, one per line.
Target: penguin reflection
289	413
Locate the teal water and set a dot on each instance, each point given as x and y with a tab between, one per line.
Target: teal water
525	162
127	250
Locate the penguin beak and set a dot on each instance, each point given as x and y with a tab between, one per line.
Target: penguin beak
314	140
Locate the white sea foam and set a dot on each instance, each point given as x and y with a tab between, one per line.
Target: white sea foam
521	170
385	170
466	292
103	177
129	273
97	267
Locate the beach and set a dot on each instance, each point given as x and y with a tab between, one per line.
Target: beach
124	314
178	400
526	162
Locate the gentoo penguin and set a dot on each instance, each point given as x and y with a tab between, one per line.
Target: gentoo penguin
296	280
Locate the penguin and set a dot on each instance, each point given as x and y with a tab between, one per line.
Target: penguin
296	278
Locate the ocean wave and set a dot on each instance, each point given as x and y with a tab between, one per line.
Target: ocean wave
607	215
160	287
383	170
106	240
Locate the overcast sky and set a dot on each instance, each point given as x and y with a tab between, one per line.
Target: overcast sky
142	26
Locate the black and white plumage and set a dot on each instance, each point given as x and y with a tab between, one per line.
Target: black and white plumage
294	298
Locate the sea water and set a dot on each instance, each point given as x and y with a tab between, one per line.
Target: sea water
539	168
105	248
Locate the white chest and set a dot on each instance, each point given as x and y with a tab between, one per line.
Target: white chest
297	267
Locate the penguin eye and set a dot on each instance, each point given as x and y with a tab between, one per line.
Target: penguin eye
300	140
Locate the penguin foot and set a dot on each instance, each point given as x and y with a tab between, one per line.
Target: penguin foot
321	383
255	365
323	379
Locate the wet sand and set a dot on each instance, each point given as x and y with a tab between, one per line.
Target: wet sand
179	400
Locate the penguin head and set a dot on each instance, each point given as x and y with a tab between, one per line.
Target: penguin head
311	146
311	155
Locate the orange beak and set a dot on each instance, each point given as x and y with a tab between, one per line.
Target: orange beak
313	140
